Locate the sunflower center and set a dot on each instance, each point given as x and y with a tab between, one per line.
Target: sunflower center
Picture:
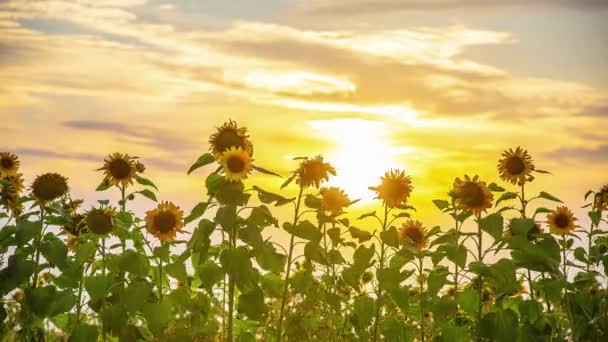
414	234
165	221
228	139
472	194
49	187
236	164
562	221
99	222
7	163
395	190
120	168
515	165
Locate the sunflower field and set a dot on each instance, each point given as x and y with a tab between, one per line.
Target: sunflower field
511	266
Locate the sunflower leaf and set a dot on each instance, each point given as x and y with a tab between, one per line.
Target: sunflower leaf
359	234
373	213
506	196
288	181
441	204
549	197
145	182
103	186
203	160
494	187
543	171
147	193
196	212
265	171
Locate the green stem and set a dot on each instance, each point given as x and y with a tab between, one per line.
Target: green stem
479	258
379	282
160	278
37	248
524	203
231	288
457	245
288	269
103	272
421	281
79	300
224	326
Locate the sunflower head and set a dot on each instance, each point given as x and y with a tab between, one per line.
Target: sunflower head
515	166
450	291
313	171
334	200
414	233
471	194
394	189
72	205
120	169
100	221
9	163
237	164
49	187
561	221
601	199
227	136
18	295
367	277
165	221
521	289
76	225
11	187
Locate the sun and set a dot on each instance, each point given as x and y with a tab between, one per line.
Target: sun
361	155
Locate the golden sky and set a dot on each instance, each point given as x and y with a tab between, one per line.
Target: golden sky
437	88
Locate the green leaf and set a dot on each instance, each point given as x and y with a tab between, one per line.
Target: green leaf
203	160
85	251
145	182
196	212
304	230
83	332
396	331
177	270
26	231
252	304
210	274
359	234
505	197
265	171
272	284
495	188
214	182
148	194
456	254
441	204
55	252
157	315
40	300
595	217
134	263
97	286
64	301
500	326
370	214
580	254
468	300
363	310
267	197
390	237
136	295
549	197
103	186
521	226
437	278
269	259
493	225
500	275
363	256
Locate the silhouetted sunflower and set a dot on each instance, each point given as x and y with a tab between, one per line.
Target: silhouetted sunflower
165	221
237	164
395	188
601	199
313	171
472	195
561	221
9	164
334	200
119	169
413	232
10	191
515	166
100	221
76	225
49	187
227	136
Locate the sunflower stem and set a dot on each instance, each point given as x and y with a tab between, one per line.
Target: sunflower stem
379	282
103	272
480	292
231	288
288	268
37	248
421	281
160	277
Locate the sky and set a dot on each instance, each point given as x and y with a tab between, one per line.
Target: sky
437	88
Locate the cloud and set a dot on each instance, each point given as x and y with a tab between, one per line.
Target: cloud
593	154
361	7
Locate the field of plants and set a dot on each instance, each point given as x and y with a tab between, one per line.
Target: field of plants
512	265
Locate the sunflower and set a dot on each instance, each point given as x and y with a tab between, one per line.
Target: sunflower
237	164
9	163
395	188
100	221
76	225
601	198
561	221
165	221
521	289
49	187
227	136
413	232
515	166
472	195
313	171
10	192
334	200
119	169
367	277
450	291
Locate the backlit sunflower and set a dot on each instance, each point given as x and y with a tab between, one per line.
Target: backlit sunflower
515	166
334	200
100	221
119	169
9	163
227	136
76	226
237	164
165	221
10	191
561	221
472	195
413	232
395	188
521	289
49	187
313	171
601	199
